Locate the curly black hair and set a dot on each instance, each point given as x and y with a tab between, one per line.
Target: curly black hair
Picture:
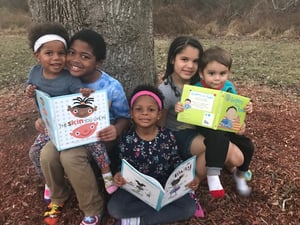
40	29
148	87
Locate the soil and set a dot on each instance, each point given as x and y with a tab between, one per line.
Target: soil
275	199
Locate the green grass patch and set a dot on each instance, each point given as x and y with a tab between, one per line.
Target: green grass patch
16	60
266	62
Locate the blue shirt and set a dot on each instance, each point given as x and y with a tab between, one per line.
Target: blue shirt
119	107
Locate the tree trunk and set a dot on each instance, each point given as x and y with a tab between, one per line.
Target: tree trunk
127	27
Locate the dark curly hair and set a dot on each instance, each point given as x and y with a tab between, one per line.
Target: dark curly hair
94	40
40	29
148	87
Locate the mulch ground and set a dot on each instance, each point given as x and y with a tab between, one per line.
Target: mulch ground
274	128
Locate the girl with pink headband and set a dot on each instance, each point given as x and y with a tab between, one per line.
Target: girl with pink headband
153	151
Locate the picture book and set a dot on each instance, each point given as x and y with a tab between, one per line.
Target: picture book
151	191
213	109
73	120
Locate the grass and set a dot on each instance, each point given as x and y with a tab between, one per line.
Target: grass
16	60
267	62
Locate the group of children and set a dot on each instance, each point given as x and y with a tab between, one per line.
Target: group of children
155	142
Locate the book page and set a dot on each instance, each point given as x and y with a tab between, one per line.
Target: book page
200	106
176	185
232	114
213	109
142	186
77	119
44	103
201	101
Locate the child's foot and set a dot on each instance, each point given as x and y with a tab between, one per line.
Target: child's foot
199	213
91	220
215	187
111	189
241	185
248	175
47	194
52	214
108	183
129	221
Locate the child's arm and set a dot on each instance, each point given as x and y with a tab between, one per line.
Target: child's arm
178	107
119	180
30	90
249	107
39	125
242	130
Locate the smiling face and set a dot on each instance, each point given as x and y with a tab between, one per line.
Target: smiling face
81	61
215	75
52	57
185	64
145	112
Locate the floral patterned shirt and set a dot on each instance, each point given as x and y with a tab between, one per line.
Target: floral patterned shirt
156	158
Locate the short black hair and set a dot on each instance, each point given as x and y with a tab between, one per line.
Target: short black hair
94	40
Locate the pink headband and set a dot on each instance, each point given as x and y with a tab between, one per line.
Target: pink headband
149	93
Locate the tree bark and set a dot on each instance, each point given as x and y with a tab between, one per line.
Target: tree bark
127	27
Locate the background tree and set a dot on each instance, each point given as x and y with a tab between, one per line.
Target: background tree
126	26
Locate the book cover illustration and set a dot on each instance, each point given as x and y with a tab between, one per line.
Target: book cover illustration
151	191
73	120
212	108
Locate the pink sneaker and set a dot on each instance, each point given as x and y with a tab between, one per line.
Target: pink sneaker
199	213
111	189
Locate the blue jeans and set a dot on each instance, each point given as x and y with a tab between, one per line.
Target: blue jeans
122	204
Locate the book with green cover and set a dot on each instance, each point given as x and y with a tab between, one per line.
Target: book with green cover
73	120
218	110
149	190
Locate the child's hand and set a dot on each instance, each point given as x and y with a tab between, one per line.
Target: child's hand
30	91
249	107
194	184
86	91
108	133
242	130
119	180
179	107
39	125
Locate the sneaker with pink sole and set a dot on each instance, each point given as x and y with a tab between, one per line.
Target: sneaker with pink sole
199	213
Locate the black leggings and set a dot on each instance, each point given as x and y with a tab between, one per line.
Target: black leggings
217	143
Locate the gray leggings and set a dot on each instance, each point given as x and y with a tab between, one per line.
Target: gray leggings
122	204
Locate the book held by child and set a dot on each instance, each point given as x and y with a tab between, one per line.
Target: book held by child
151	191
213	109
73	120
